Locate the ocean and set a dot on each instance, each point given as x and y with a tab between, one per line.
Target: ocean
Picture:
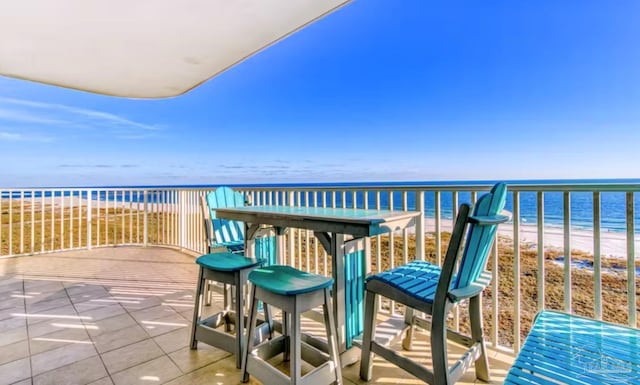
613	204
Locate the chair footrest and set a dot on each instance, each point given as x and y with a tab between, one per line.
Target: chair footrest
213	337
387	332
257	365
216	320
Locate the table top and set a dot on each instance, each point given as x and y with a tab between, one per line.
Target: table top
357	222
570	349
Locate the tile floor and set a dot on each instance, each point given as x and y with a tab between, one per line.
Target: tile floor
121	316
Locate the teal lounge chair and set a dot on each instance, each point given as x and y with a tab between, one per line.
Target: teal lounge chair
435	291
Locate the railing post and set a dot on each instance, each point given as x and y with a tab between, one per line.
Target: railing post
145	222
22	221
291	234
438	241
631	260
566	203
89	218
516	271
420	222
182	204
597	258
541	268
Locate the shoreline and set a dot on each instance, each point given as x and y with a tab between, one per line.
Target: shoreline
612	244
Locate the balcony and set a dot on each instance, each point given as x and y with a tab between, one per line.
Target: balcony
119	316
97	284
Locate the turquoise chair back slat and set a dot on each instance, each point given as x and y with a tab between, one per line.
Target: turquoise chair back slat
480	237
226	231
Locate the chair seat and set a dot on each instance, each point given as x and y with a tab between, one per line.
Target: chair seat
226	261
234	246
418	279
286	280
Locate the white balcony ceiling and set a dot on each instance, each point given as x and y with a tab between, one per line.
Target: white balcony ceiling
142	48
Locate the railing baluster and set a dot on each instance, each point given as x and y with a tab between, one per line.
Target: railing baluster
42	216
53	219
516	271
315	241
89	219
291	232
420	226
631	260
156	195
145	219
566	197
122	217
438	240
80	209
71	207
495	293
197	219
98	217
299	232
597	258
10	223
307	239
62	218
378	243
22	222
33	222
325	256
107	218
175	240
405	231
540	279
130	205
2	223
391	247
454	213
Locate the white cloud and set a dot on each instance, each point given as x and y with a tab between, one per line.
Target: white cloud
18	137
62	116
26	117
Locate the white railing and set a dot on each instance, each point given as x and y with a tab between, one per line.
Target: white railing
599	281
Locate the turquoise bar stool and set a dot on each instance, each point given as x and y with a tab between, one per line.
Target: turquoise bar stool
294	292
230	269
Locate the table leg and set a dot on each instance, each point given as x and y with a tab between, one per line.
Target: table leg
339	299
280	245
349	260
355	267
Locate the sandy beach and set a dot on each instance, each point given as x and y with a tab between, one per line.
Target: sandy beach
612	244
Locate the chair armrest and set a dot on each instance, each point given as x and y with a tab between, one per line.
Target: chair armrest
464	293
503	217
473	289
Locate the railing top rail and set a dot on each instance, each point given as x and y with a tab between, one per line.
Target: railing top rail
521	187
612	187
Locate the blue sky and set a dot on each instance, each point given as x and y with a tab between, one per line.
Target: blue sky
381	90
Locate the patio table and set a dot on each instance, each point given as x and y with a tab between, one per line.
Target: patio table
343	232
563	348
